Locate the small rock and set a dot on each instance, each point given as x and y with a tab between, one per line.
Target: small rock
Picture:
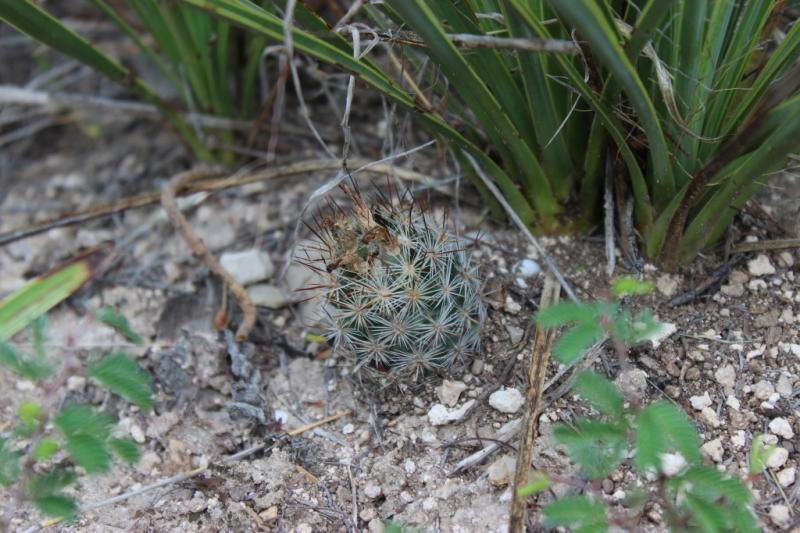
660	332
739	439
477	367
667	285
136	433
527	268
786	259
270	514
268	296
303	528
348	429
779	514
372	490
76	383
429	504
760	266
763	390
506	400
736	290
714	450
700	402
632	384
726	376
778	457
501	471
784	386
795	349
515	333
449	391
512	306
440	415
376	526
409	466
710	417
672	463
780	426
786	476
733	402
248	266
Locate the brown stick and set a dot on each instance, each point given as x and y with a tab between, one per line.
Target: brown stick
200	250
758	246
210	185
542	344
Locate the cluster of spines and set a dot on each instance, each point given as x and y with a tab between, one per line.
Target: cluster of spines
402	295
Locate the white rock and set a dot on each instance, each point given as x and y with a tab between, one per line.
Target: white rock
714	450
76	383
672	464
515	334
372	490
700	402
506	400
795	349
527	268
512	306
248	266
763	390
786	476
667	285
726	376
784	386
268	296
501	471
733	402
760	266
632	384
409	466
440	415
136	433
449	391
780	426
347	429
662	331
710	417
738	439
779	514
778	457
786	259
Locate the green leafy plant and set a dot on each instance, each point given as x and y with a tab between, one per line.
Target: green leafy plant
47	447
659	437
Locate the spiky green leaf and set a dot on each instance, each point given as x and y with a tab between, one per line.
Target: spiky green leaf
84	419
662	427
89	452
126	449
57	505
44	449
597	447
577	512
574	342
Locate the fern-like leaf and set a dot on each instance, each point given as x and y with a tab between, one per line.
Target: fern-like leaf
662	428
119	323
597	447
574	342
579	512
566	313
57	505
89	452
121	375
126	449
600	393
9	464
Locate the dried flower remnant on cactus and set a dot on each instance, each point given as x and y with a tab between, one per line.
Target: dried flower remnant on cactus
402	296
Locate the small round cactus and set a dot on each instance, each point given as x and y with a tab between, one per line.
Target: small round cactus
402	295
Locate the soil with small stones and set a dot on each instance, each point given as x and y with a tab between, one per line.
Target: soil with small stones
733	363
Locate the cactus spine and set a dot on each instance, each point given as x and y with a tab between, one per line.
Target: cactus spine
402	295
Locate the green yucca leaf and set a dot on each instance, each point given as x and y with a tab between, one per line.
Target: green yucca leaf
600	393
578	512
121	375
44	449
662	427
573	342
119	323
598	447
32	20
89	452
9	464
126	449
56	505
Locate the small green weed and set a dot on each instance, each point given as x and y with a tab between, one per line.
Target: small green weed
47	447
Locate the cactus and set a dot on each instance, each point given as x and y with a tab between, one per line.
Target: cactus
402	295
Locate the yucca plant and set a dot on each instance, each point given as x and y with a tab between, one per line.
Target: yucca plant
212	67
695	103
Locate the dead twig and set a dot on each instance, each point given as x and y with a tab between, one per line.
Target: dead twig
713	280
209	185
200	250
540	354
759	246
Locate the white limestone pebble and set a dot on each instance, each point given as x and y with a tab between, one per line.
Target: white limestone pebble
506	400
781	426
786	476
778	457
779	514
714	450
672	463
726	376
760	266
700	402
440	415
449	391
248	266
